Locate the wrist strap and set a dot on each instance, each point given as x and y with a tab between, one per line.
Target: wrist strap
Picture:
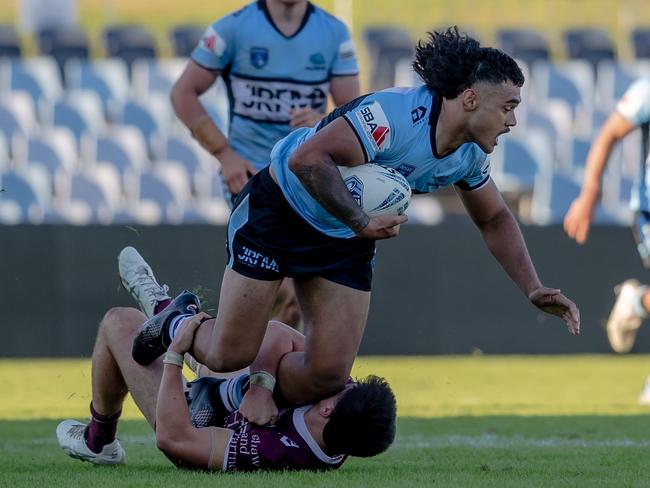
208	134
172	357
263	379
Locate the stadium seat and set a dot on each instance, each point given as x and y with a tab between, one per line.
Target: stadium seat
641	42
516	163
24	197
38	76
129	42
108	78
571	82
63	44
152	116
524	44
386	47
153	200
188	153
9	42
54	150
85	200
210	200
590	44
81	112
184	38
124	148
17	115
152	76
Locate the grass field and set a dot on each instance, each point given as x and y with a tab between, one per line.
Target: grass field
463	421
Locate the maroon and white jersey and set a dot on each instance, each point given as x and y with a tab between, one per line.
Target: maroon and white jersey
287	445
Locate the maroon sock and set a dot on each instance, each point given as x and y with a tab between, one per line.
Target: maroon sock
101	429
160	306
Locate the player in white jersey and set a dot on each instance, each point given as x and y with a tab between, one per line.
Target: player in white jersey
279	59
633	301
297	218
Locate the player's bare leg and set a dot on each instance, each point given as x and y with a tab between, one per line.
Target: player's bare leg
232	341
114	373
335	317
286	308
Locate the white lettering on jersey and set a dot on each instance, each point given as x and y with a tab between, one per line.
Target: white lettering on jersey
271	101
347	50
375	125
288	442
213	42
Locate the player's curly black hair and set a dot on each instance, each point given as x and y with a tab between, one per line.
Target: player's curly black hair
363	421
449	62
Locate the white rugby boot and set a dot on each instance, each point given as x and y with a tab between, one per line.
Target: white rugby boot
624	320
70	434
139	280
644	396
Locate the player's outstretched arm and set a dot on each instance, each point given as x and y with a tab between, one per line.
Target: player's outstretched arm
181	442
581	212
503	238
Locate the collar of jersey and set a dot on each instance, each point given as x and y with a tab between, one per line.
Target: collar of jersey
301	428
310	9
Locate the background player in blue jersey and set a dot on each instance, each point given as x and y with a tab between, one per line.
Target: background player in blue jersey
297	218
206	430
280	59
633	301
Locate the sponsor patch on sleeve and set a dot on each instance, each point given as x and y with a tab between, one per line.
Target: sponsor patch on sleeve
347	50
375	126
213	42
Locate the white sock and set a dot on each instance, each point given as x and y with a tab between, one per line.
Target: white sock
176	324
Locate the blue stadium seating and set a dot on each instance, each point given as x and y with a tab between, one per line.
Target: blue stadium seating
184	39
524	44
386	46
591	44
20	199
129	42
640	38
123	149
63	44
9	42
108	78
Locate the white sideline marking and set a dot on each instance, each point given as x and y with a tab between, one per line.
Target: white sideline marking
420	442
496	441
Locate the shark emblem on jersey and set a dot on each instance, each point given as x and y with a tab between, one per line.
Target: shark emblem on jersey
375	125
288	442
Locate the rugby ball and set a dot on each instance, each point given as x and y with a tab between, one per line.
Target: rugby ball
377	190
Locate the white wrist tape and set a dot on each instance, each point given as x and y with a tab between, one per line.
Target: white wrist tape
174	358
263	379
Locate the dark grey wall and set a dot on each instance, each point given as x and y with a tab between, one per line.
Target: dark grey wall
436	289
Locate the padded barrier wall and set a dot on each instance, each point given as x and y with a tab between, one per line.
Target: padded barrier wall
436	290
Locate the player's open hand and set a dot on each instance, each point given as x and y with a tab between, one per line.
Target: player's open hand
551	300
383	227
304	117
578	219
185	337
235	170
258	406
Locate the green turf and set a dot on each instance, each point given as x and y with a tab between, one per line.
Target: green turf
464	421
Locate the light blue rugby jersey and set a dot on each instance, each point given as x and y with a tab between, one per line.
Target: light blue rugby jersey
396	128
635	107
268	73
